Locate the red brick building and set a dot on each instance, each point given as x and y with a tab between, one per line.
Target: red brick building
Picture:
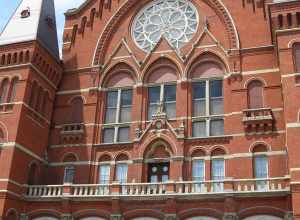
159	109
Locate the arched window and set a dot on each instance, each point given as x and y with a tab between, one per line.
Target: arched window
15	58
104	169
3	60
296	51
77	110
280	21
39	99
4	90
45	102
207	98
92	17
260	166
255	94
32	175
9	59
12	90
118	105
289	19
83	25
33	94
27	56
218	169
69	171
21	57
198	169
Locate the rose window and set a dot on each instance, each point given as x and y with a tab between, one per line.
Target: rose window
176	20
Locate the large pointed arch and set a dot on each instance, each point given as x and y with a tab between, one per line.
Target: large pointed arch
105	36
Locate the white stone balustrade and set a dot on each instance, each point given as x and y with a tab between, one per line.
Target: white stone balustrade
233	186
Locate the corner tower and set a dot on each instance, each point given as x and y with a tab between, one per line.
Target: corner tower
30	71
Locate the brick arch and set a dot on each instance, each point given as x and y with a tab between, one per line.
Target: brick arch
91	213
207	57
261	210
165	67
150	213
105	36
115	70
194	212
154	139
44	213
197	152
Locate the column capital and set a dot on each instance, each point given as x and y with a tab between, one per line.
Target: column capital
230	216
116	217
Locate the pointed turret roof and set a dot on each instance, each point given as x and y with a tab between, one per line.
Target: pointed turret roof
33	20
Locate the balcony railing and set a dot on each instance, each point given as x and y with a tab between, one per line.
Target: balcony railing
258	120
183	188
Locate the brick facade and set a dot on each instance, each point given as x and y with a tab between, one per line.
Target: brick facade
56	119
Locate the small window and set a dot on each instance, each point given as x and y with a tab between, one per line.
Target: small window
4	90
13	90
280	21
108	135
69	174
217	127
199	129
261	171
296	51
124	134
121	172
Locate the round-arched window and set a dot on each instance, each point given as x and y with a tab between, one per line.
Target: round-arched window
176	20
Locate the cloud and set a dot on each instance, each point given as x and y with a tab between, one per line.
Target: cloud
64	5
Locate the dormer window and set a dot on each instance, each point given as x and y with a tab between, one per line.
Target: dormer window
25	13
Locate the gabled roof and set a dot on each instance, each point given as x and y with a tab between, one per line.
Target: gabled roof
33	20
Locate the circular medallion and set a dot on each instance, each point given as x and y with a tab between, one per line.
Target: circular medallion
176	20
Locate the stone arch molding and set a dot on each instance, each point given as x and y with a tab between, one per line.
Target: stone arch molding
222	11
263	217
201	218
92	218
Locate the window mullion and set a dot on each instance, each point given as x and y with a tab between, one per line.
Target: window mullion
162	94
118	115
207	95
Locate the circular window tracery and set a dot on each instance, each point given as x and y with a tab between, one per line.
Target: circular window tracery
176	20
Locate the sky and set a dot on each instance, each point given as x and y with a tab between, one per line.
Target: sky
7	8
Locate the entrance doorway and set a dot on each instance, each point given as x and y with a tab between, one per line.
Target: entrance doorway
158	172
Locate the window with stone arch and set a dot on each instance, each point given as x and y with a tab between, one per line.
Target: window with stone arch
69	170
260	165
255	91
218	168
118	104
296	55
104	169
161	79
121	168
207	75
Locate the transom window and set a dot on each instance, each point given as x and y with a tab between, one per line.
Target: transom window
176	20
118	116
162	95
208	108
